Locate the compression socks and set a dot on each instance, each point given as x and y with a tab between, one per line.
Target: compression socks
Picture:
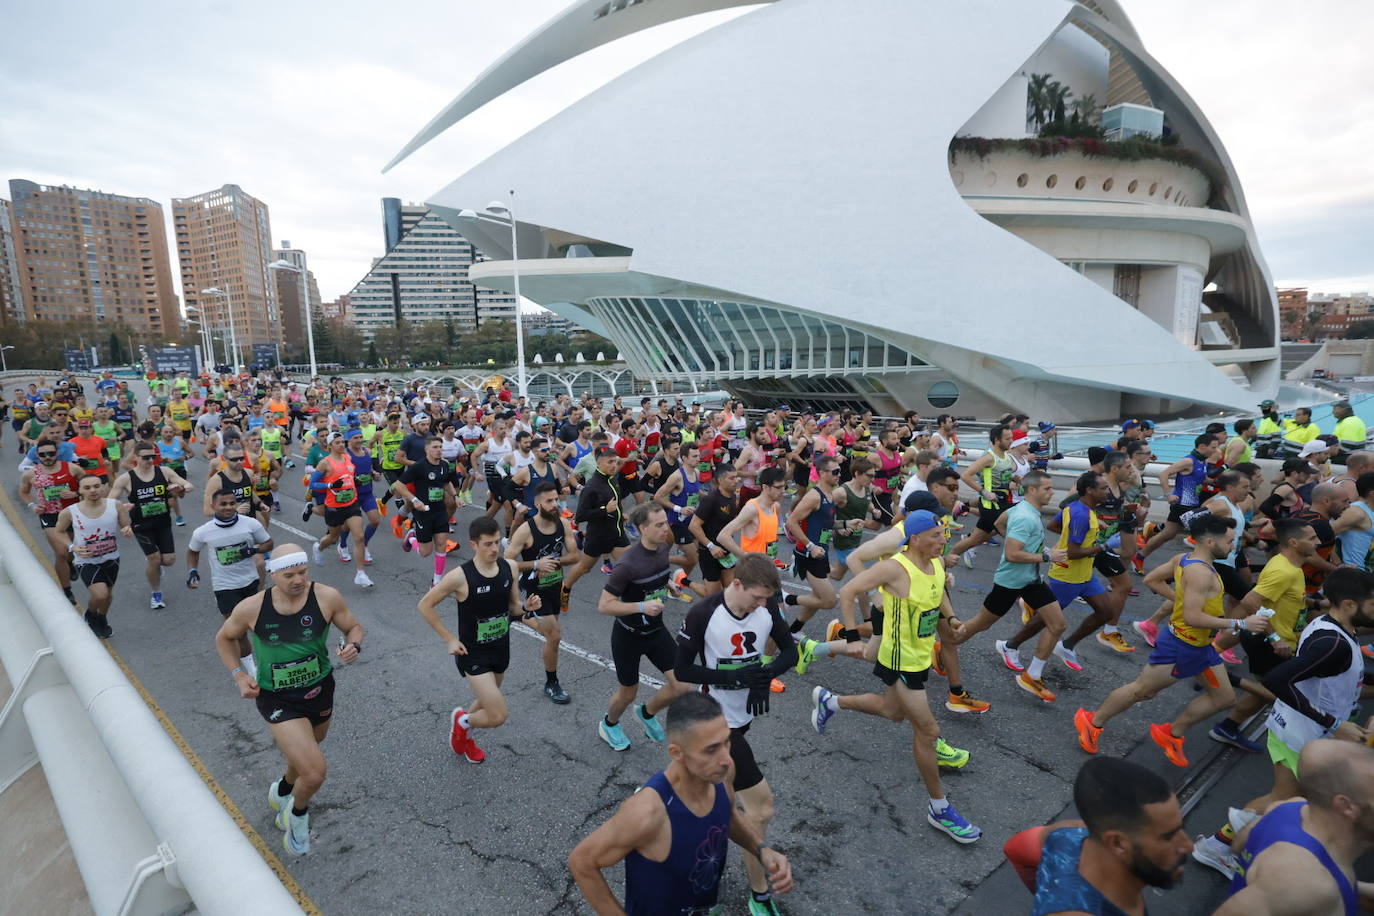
440	560
367	534
410	539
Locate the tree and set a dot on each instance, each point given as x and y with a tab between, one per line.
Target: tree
1360	330
1086	109
348	344
1037	94
372	358
393	344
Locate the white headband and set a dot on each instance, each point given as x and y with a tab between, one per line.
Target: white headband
286	561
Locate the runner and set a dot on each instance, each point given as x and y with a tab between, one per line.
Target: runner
364	477
48	488
231	477
634	595
1079	533
912	584
990	476
811	526
334	476
294	687
91	452
1018	577
431	482
540	550
720	646
673	839
1315	691
148	489
599	511
90	531
718	507
172	454
234	542
1131	837
484	588
1185	649
1184	478
680	495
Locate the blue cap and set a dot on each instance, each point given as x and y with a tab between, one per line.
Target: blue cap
919	521
353	433
1130	424
1045	426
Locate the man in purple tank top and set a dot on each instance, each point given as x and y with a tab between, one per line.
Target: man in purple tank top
672	835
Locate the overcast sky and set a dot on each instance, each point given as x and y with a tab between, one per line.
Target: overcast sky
303	107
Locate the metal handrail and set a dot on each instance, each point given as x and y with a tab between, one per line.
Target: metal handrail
147	833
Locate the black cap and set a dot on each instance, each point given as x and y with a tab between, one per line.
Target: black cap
923	499
1096	454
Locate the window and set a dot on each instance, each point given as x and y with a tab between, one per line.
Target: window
943	394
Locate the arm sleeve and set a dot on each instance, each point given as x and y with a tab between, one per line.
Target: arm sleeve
1322	655
1270	507
787	645
690	666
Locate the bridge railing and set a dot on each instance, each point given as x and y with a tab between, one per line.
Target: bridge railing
147	834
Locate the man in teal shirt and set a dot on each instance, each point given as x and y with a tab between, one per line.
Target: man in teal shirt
1018	579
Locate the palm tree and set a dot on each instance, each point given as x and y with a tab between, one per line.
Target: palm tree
1057	97
1087	109
1037	94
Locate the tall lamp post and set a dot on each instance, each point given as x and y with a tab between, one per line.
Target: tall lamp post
307	314
202	322
233	332
497	207
3	366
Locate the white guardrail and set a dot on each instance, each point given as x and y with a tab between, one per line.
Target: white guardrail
147	834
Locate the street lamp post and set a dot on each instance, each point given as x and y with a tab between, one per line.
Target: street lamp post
3	366
233	332
308	315
202	323
498	207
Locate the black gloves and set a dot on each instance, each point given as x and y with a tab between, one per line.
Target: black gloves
757	703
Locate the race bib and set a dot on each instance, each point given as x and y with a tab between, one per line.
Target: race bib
228	556
492	629
363	480
545	580
150	509
54	492
101	545
693	500
345	496
825	537
90	464
925	627
772	549
436	494
728	561
285	675
704	466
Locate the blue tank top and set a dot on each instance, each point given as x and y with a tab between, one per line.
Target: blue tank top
820	524
536	479
1284	825
1059	886
1355	544
581	451
688	880
1188	487
363	475
689	495
172	452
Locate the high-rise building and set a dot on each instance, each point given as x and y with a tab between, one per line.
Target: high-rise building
289	293
338	310
11	299
423	277
224	241
82	254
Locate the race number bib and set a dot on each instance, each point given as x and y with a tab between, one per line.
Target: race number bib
930	619
825	537
54	492
345	496
693	500
728	561
298	673
493	628
436	494
772	550
363	480
545	580
151	509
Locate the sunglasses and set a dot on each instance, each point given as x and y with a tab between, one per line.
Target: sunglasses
233	457
147	456
47	454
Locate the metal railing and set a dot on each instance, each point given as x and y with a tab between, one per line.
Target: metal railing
147	834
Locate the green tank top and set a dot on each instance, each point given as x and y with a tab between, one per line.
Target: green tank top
909	624
855	508
391	444
369	433
1247	454
109	431
999	478
291	650
272	441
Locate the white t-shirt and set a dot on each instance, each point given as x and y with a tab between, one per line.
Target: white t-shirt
720	640
914	484
99	535
231	549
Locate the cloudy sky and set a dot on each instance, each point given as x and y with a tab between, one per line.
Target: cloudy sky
302	104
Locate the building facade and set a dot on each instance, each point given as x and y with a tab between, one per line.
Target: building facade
224	241
423	277
288	285
81	254
1090	283
11	299
337	309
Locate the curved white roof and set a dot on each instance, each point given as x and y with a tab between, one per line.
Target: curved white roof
792	156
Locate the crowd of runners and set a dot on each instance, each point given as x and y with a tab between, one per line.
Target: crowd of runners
790	539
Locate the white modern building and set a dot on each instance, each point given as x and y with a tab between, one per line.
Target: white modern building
424	276
837	201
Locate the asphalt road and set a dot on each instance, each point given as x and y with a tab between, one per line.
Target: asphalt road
404	826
